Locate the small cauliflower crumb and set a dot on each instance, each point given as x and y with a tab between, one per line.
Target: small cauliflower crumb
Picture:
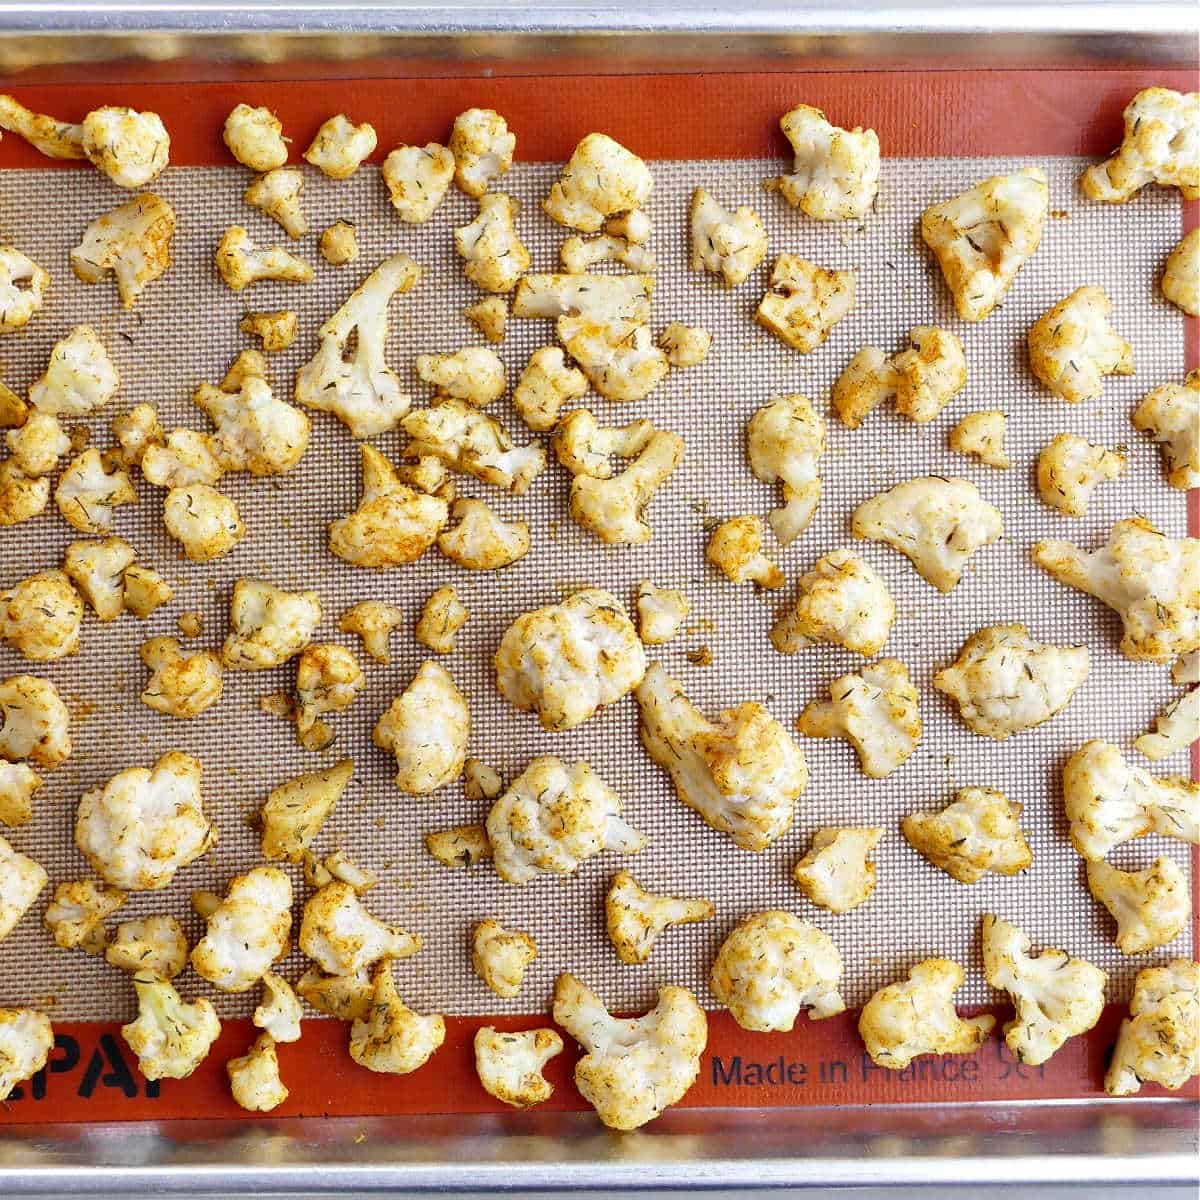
280	1012
1072	346
26	1039
482	147
391	1038
87	493
478	540
1181	275
1171	415
981	435
269	625
1159	1042
254	1080
154	946
34	722
1151	907
426	728
976	833
728	244
500	957
546	384
339	147
19	782
804	302
191	624
474	374
509	1065
255	138
204	521
75	916
274	330
169	1037
492	250
462	846
601	179
339	243
21	881
247	931
660	612
295	811
180	685
1069	470
240	262
417	178
636	919
23	287
373	621
441	619
785	440
685	345
735	549
490	317
40	617
1175	728
79	378
277	195
835	873
128	146
133	241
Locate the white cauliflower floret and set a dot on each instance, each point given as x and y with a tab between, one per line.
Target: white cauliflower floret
40	617
373	621
634	226
143	591
482	147
613	509
255	431
771	966
936	523
976	833
205	522
275	330
481	782
660	612
294	812
842	600
601	179
1056	997
270	625
567	660
785	440
1159	1042
835	175
255	138
609	300
1108	801
1181	276
494	255
1070	468
21	881
735	549
1161	145
728	244
21	497
876	711
26	1039
247	932
981	435
804	302
1175	728
636	919
249	364
916	1016
685	345
391	1038
637	1067
509	1065
1150	907
490	317
546	384
1072	346
79	377
240	262
462	846
441	619
87	493
479	540
186	457
170	1038
328	678
128	146
835	873
1187	668
1004	682
500	957
474	374
346	997
339	866
426	728
342	937
619	357
340	147
254	1079
75	916
339	243
135	432
277	195
133	241
19	782
23	287
155	946
97	570
1171	414
142	826
742	773
581	254
584	446
49	136
280	1012
33	721
417	178
1152	581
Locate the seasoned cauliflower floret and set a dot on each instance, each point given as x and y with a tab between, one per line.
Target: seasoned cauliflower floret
255	431
835	873
40	618
660	612
728	244
270	625
474	374
735	549
479	540
170	1037
23	287
75	916
21	496
19	782
346	997
584	446
567	660
294	812
342	937
339	243
1159	1042
373	621
1070	468
1171	415
482	147
462	846
255	138
1150	907
916	1016
135	432
1181	276
204	521
426	728
79	377
390	1037
836	171
1175	728
33	721
51	137
97	570
155	946
490	317
553	817
143	591
21	881
339	147
87	493
579	254
634	226
128	146
275	330
546	384
619	357
976	833
133	241
637	1067
417	178
441	619
1004	682
607	300
240	262
685	345
981	435
936	523
492	250
876	711
1152	581
1161	145
785	440
247	932
742	773
804	302
500	957
636	918
328	678
613	508
1072	346
601	178
26	1039
277	195
280	1012
184	458
481	782
509	1065
771	966
254	1079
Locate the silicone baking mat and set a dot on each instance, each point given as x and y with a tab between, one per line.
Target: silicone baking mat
184	332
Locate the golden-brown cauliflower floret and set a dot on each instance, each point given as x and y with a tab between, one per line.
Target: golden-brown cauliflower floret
204	521
1175	728
936	523
660	612
836	171
804	302
481	782
339	147
1150	907
636	918
473	374
584	446
277	195
339	243
280	1012
1171	415
426	728
685	345
186	457
328	678
19	782
785	440
391	1038
742	773
728	244
771	966
240	262
1159	1042
26	1039
579	254
21	496
294	812
1181	276
482	147
1072	346
492	250
417	178
735	549
601	178
479	540
916	1016
1070	468
180	685
128	146
490	317
254	1079
637	1067
981	435
500	957
275	330
155	946
33	721
247	931
23	287
346	997
133	241
619	357
21	881
835	873
255	138
462	846
1004	682
510	1064
342	937
51	137
143	591
603	299
40	617
87	493
441	619
170	1037
270	625
75	916
546	384
976	833
876	711
97	570
373	621
79	378
255	431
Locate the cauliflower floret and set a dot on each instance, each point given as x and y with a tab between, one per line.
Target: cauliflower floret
133	241
205	522
876	711
328	678
340	147
618	357
255	431
490	317
135	432
637	1067
26	1039
1004	682
482	147
804	302
983	236
601	179
916	1016
441	619
180	685
38	444
1161	145
254	1078
170	1038
339	243
634	226
21	881
1181	276
462	846
603	299
735	549
474	374
1072	346
128	146
79	377
500	957
546	384
1171	414
255	138
685	345
584	446
33	721
1187	668
342	937
1152	581
479	540
249	364
373	621
18	784
1069	469
580	254
785	440
97	570
240	262
23	287
40	617
835	175
51	137
21	497
1150	907
390	1037
567	660
275	330
1159	1042
154	946
75	916
636	918
185	458
1175	728
981	435
143	591
277	195
936	523
742	773
481	782
728	244
346	997
426	728
552	818
1056	997
495	257
270	625
280	1012
976	833
87	493
660	612
771	966
509	1065
295	811
417	178
247	932
835	873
